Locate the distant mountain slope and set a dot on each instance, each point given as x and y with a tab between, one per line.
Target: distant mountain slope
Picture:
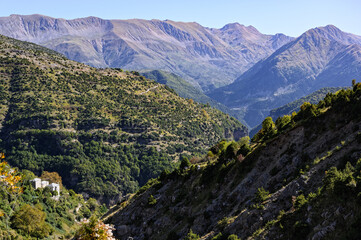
103	130
321	57
294	106
185	89
299	181
206	57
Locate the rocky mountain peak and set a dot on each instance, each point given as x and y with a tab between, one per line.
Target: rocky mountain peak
239	27
314	60
333	33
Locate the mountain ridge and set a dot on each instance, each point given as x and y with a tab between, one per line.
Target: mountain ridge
296	69
189	50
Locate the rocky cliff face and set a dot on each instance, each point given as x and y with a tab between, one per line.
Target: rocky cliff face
206	57
298	202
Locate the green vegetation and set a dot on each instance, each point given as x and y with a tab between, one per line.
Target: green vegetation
187	90
340	190
105	131
260	196
191	236
233	237
312	98
94	229
152	200
284	113
28	213
30	221
185	164
268	129
308	112
220	236
217	192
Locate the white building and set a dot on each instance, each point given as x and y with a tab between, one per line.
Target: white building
54	187
36	182
44	184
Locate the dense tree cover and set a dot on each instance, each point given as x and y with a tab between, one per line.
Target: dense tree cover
105	131
28	213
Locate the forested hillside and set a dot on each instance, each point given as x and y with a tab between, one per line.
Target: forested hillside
105	131
298	179
186	90
30	213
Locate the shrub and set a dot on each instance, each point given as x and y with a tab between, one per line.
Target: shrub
151	200
185	163
300	201
233	237
283	121
191	236
231	151
261	195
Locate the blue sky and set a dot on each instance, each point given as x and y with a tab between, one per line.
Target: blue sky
291	17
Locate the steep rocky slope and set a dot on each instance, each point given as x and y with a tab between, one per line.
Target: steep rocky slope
206	57
288	187
321	57
104	130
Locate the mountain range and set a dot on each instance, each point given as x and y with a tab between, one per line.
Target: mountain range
243	69
321	57
206	57
105	132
